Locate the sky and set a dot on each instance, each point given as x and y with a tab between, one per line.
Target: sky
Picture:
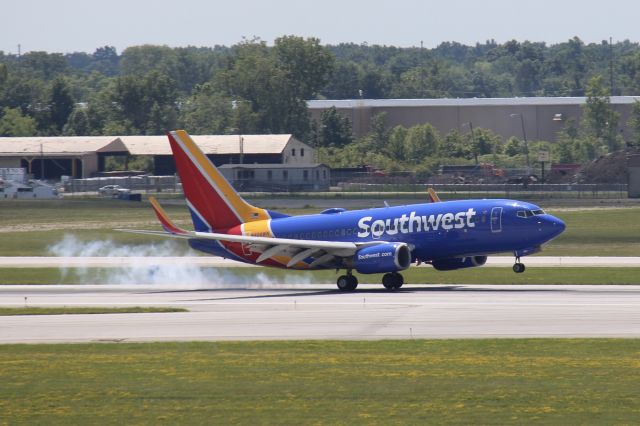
84	25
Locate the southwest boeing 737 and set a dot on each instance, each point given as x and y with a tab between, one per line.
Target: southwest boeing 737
448	235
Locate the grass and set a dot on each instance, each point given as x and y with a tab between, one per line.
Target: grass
508	381
426	275
85	310
28	228
598	232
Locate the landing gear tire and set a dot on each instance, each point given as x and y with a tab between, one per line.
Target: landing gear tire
347	282
392	280
518	268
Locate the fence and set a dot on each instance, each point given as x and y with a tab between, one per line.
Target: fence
134	183
152	184
520	191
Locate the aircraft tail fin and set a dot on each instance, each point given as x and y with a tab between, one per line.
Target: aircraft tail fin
214	204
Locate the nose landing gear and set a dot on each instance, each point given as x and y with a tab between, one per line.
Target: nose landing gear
518	267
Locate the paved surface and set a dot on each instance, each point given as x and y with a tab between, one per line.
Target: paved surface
204	261
320	312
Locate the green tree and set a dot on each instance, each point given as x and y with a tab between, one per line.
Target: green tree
13	123
276	83
454	145
567	143
61	103
77	124
207	111
422	141
379	134
397	146
335	129
634	123
600	118
147	103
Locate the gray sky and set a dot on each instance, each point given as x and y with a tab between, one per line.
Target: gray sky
84	25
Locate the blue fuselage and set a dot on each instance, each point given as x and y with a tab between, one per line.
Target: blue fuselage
433	231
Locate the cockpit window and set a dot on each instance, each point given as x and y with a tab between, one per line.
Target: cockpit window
538	212
526	213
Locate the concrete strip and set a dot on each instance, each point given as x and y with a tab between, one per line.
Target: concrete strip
320	312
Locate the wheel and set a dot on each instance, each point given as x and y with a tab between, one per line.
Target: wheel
353	282
387	281
518	268
343	283
347	282
392	281
399	280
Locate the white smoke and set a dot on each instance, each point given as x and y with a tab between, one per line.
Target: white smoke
170	274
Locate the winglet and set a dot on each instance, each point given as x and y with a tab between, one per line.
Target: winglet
433	196
167	224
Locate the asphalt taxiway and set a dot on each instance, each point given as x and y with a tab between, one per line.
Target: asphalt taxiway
321	312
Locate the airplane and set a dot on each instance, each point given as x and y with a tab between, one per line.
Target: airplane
448	235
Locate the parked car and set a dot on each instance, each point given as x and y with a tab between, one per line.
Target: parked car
113	190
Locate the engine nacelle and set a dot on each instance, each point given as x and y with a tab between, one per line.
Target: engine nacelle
459	263
385	257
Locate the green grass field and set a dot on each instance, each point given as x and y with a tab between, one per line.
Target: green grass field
245	276
28	228
509	381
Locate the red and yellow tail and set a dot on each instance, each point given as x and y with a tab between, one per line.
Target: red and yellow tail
214	204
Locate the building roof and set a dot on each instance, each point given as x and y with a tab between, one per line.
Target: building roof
529	101
271	166
210	144
58	146
139	145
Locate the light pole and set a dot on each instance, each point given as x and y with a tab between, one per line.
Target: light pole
524	134
473	140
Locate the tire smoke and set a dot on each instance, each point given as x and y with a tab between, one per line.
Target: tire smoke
171	274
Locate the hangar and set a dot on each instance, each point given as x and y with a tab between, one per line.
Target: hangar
539	118
84	156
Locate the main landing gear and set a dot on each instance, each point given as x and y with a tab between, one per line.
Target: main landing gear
347	282
518	267
392	280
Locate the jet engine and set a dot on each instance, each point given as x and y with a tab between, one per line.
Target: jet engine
385	257
458	263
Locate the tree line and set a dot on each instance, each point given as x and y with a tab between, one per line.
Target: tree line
252	87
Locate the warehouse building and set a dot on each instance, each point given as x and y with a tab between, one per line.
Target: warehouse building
536	118
85	156
277	177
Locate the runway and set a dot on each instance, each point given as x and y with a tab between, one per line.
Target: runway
320	312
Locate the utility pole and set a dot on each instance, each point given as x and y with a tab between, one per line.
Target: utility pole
611	66
41	163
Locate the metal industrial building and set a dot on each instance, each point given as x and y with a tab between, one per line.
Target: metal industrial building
278	177
84	156
541	117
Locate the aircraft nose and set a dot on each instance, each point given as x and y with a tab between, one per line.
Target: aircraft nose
555	226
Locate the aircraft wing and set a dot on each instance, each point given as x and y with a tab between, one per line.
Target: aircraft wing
322	251
291	250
